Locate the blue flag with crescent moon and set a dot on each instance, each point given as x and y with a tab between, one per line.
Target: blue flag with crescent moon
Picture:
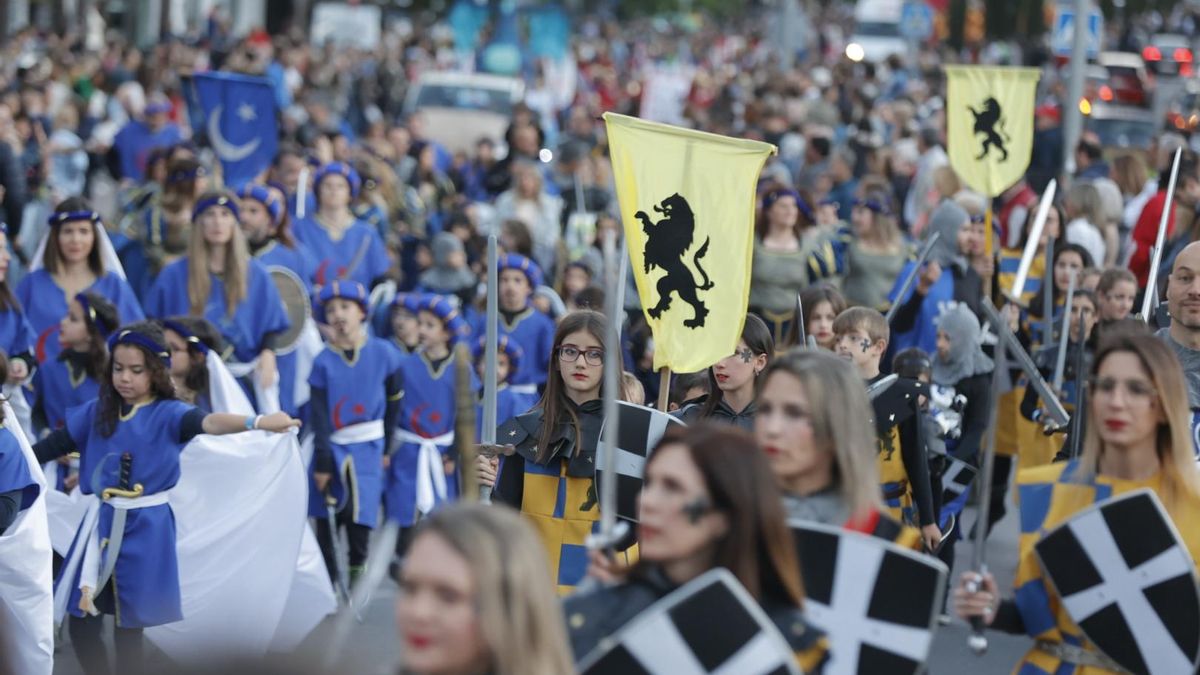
239	122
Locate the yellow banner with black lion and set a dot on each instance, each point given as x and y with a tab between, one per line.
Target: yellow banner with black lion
989	124
687	201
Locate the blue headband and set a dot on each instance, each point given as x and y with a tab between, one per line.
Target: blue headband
444	310
339	169
219	200
775	195
346	290
874	206
185	174
264	196
506	345
516	261
129	337
188	336
65	216
104	329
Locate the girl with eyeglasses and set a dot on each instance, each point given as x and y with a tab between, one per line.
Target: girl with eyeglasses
555	450
1138	435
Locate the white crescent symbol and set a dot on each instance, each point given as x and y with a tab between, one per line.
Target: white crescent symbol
227	151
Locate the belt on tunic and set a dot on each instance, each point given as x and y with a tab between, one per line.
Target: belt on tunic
529	389
431	476
240	370
85	554
1076	655
362	432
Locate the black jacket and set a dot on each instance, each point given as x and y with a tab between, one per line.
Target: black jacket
691	411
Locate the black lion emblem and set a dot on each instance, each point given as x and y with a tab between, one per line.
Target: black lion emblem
990	123
666	243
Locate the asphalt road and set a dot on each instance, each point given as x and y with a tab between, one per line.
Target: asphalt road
372	647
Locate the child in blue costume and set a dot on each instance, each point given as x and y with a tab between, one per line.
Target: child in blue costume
18	489
345	247
509	403
16	336
218	280
72	261
402	326
356	395
265	224
529	328
72	378
129	441
421	473
190	339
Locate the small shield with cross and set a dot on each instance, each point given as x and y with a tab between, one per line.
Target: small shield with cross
638	431
1126	579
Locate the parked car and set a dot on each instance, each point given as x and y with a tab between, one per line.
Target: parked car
461	108
1124	127
1169	55
1128	81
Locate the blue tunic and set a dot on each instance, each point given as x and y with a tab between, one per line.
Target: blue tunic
356	392
256	317
14	470
45	305
299	261
427	410
534	331
16	335
924	331
146	577
334	258
57	389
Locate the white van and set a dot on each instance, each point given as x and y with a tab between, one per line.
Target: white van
876	33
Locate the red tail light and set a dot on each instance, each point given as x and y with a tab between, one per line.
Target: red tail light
1185	69
1106	93
1183	55
1151	54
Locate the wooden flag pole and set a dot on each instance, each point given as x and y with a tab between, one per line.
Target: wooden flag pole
664	388
988	248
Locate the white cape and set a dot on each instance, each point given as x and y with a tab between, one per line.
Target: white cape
251	575
26	593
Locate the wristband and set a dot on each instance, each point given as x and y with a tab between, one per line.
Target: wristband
257	420
250	422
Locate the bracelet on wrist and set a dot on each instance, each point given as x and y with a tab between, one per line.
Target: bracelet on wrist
257	420
250	422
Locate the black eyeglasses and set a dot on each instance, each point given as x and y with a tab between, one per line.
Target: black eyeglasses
570	354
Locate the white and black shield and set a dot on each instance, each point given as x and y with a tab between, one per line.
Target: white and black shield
876	601
640	428
709	625
1126	579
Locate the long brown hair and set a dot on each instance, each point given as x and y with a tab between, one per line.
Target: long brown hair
52	256
773	194
758	547
554	404
108	409
237	265
757	337
1174	441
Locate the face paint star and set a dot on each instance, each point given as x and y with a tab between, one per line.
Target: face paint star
512	433
246	112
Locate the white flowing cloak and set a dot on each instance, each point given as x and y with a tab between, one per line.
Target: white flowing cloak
26	586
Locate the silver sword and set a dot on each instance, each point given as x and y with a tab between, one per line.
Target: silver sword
912	275
1054	408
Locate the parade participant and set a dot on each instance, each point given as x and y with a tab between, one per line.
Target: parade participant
862	339
871	254
784	237
190	339
1069	260
732	380
473	598
810	424
345	247
1138	436
1115	294
509	403
1183	335
131	436
556	450
687	388
76	257
18	489
72	378
16	336
166	224
449	274
404	333
707	502
355	400
632	390
1083	306
822	304
519	319
420	473
218	280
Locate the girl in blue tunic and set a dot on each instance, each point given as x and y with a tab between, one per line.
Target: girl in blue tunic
220	282
71	379
18	489
190	339
509	403
355	398
129	441
346	248
420	474
521	321
16	336
72	261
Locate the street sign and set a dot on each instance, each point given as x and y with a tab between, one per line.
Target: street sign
1064	31
916	21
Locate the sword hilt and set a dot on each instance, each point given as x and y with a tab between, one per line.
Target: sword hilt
124	478
977	641
137	491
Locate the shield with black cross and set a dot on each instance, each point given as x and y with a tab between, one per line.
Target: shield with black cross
876	601
709	625
638	431
1126	579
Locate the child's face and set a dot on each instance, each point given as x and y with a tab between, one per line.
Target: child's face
857	347
431	331
404	326
502	367
345	316
1081	306
514	289
943	345
181	356
739	369
1117	303
575	280
72	330
130	374
1068	263
820	324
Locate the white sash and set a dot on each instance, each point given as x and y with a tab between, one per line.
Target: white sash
431	476
529	389
240	370
363	432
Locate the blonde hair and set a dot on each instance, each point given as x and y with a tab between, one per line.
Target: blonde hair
946	182
519	614
237	268
1174	442
838	408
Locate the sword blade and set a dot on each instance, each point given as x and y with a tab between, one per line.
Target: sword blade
1031	245
1064	340
490	386
612	385
1156	256
1054	407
